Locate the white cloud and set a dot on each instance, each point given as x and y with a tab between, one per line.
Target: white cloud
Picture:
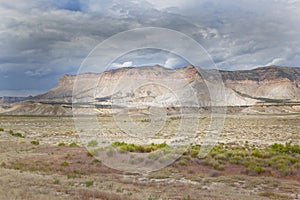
39	39
276	61
38	72
121	65
159	4
172	62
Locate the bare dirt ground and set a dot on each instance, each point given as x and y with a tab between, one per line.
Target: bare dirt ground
51	171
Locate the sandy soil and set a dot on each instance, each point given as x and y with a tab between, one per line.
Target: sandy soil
30	171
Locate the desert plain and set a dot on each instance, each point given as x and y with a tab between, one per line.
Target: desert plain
42	157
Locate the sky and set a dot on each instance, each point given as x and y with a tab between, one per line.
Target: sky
41	40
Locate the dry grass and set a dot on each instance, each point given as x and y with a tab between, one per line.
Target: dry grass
30	171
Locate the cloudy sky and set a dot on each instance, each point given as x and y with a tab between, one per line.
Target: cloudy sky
40	40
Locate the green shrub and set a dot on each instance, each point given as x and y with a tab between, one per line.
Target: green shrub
61	144
19	165
146	120
64	164
259	169
296	166
210	161
254	166
236	159
1	129
35	142
73	144
93	143
3	164
120	190
183	162
221	157
68	155
186	198
194	151
95	151
217	150
162	145
95	160
283	159
18	135
89	183
256	153
89	154
284	169
32	169
124	147
287	148
295	149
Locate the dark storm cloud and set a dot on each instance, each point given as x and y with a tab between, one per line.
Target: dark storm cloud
42	40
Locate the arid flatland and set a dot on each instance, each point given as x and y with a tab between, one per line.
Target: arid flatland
42	158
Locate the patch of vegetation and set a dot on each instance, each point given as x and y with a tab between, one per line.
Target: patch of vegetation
186	198
146	120
287	148
261	153
273	195
73	175
19	166
285	158
253	167
183	162
1	129
95	151
61	144
120	190
35	142
89	183
89	154
93	143
194	151
16	134
162	174
64	164
32	169
215	163
73	144
68	155
3	164
95	160
124	147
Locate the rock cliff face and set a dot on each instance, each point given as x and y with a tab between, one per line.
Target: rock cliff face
187	86
146	86
8	100
274	83
242	87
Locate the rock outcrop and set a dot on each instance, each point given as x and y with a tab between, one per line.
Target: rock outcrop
158	86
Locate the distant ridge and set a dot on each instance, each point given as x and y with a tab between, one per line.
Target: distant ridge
271	85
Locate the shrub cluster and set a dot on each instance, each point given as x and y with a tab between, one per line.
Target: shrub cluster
139	148
284	158
16	134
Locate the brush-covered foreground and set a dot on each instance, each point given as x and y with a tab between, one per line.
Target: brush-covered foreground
47	161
